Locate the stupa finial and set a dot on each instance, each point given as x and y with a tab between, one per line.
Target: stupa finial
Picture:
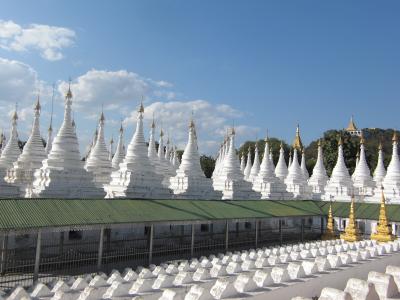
351	233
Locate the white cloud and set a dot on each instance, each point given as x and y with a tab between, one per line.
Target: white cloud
48	40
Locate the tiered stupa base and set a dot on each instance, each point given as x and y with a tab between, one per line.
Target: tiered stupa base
193	188
298	191
126	184
69	184
392	194
335	192
272	190
236	190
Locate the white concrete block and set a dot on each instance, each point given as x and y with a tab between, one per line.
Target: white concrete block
305	254
323	264
98	281
201	274
295	255
172	269
395	272
388	247
273	260
384	284
233	267
146	274
309	267
285	258
197	292
116	276
245	283
218	271
79	284
40	290
280	275
158	271
334	260
262	279
130	276
171	295
142	285
248	265
236	258
183	278
262	262
365	254
295	271
163	281
222	289
345	258
361	289
117	289
334	294
60	286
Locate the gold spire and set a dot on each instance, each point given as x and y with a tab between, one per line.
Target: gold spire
340	140
329	233
141	107
352	126
297	144
351	233
383	232
394	139
37	105
362	140
69	93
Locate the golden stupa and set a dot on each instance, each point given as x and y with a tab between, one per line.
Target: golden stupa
329	233
383	231
352	126
297	144
351	233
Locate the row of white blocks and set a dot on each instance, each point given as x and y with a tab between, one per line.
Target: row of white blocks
378	286
227	275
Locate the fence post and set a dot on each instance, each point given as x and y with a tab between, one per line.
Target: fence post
302	230
226	235
37	256
61	246
322	226
192	242
256	238
280	232
151	244
4	250
100	250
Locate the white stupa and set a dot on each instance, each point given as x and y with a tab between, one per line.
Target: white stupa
391	183
119	154
190	181
8	190
340	185
111	149
11	151
163	166
137	177
49	141
31	158
247	169
271	158
231	180
295	181
175	159
242	163
303	165
98	162
318	179
290	160
256	165
281	169
362	180
62	174
380	171
218	162
266	182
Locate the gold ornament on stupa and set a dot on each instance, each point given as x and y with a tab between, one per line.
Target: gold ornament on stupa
351	233
297	144
383	231
329	233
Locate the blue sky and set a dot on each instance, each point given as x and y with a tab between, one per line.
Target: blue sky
260	64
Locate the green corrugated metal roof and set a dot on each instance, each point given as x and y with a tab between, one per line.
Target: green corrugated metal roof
27	214
367	211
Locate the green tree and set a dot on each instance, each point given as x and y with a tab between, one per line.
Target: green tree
207	165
